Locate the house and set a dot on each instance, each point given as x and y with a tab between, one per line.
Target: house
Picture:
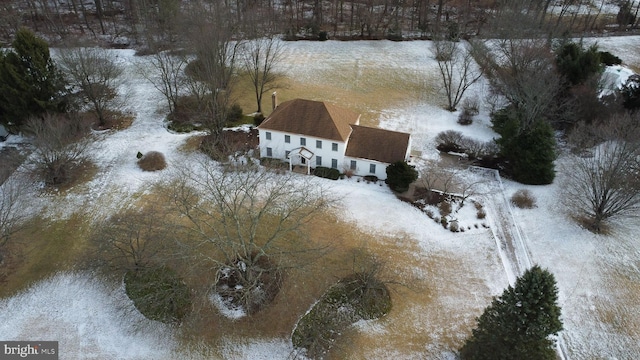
314	133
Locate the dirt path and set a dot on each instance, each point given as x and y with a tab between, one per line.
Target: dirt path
510	240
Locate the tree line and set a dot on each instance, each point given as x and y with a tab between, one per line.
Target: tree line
134	22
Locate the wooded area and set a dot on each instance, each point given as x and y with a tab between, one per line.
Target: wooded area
135	22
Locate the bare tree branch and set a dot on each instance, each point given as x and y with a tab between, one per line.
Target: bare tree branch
457	70
95	73
604	181
260	57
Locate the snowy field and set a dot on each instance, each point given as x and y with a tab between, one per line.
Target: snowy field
95	321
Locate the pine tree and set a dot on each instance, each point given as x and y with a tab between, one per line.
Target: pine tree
528	148
517	325
400	175
29	81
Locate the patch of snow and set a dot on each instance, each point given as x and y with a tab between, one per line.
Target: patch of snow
613	78
226	308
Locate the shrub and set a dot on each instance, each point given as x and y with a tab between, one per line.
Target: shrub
478	149
327	173
471	105
450	140
445	208
577	64
158	293
400	175
481	214
235	114
609	59
454	227
152	161
523	199
60	143
258	119
370	178
323	36
465	118
349	173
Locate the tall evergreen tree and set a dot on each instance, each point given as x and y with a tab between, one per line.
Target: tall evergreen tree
576	63
529	151
30	84
517	325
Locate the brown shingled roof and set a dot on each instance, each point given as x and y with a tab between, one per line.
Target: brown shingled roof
377	144
312	118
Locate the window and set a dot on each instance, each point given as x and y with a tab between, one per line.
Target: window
287	139
353	165
303	142
319	144
267	135
269	152
334	147
318	160
372	168
334	163
286	154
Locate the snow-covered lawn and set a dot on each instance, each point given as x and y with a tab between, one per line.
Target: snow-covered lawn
456	273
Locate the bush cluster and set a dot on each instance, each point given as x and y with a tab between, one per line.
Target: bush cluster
523	199
327	173
609	59
454	141
470	108
234	115
152	161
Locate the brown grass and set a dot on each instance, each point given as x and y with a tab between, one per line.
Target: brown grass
302	286
192	144
621	313
152	161
374	89
42	248
435	305
78	176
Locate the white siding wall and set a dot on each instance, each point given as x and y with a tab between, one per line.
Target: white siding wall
363	167
279	147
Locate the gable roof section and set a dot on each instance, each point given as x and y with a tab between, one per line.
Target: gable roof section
377	144
312	118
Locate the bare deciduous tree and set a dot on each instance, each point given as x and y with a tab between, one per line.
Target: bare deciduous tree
167	75
457	69
523	71
212	37
260	57
95	73
60	143
132	240
11	215
248	225
604	181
